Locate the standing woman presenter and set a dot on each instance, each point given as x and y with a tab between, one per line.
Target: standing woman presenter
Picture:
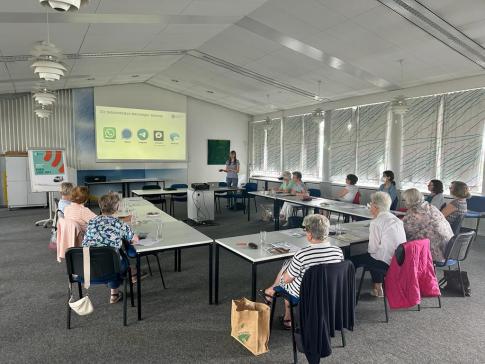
232	169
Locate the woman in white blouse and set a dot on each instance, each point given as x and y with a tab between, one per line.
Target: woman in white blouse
348	193
386	233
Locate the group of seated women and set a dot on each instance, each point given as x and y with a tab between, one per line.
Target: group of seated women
98	230
422	220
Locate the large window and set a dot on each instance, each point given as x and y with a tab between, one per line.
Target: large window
343	138
443	137
462	152
419	142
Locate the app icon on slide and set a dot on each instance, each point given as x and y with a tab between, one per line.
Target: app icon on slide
174	137
142	134
109	133
158	135
126	134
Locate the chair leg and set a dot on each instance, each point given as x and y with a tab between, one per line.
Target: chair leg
385	302
68	322
439	301
132	298
125	301
461	280
160	270
149	267
360	285
255	205
80	289
419	307
295	354
343	337
271	317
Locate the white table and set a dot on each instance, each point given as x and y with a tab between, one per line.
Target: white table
176	236
354	233
125	183
266	180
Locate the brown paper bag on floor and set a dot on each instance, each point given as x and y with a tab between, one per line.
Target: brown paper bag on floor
250	325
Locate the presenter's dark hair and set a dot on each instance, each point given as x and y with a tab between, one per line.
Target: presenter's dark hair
390	175
352	178
437	186
232	153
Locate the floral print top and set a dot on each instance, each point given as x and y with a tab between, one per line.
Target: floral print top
106	230
427	222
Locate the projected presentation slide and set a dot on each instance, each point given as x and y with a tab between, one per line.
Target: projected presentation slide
136	134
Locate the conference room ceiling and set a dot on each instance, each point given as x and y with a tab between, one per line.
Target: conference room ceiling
237	52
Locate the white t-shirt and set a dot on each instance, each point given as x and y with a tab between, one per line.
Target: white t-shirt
351	192
386	233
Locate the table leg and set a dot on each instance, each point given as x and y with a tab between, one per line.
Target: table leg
276	214
253	281
138	286
179	260
266	185
175	263
249	207
210	273
216	276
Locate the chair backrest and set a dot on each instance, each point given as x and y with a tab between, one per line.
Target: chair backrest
357	198
314	192
394	204
179	185
105	263
459	245
456	225
251	187
222	184
295	222
476	203
151	187
69	235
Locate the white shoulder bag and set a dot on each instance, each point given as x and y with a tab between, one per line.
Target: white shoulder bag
83	306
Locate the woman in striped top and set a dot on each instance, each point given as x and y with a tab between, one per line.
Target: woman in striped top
319	251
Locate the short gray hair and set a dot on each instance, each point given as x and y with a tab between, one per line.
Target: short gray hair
317	225
109	203
286	174
412	198
381	200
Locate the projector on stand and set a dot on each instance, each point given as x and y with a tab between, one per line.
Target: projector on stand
200	186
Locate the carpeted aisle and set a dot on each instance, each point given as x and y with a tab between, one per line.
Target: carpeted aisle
179	325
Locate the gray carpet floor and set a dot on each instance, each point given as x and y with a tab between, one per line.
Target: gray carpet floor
179	325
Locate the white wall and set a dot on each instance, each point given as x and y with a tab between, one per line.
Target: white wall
209	121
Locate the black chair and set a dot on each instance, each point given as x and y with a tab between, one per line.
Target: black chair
294	222
343	283
105	267
177	197
155	199
314	192
456	226
220	195
394	204
250	187
456	252
383	272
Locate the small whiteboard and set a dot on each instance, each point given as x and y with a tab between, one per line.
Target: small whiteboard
47	169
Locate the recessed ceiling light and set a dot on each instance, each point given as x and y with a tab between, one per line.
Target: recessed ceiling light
175	80
90	79
135	76
210	92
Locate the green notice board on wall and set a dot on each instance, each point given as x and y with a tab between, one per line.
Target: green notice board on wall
218	151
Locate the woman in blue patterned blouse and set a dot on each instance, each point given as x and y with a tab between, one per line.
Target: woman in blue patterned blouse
108	230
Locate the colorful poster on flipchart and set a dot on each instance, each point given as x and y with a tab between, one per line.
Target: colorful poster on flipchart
47	169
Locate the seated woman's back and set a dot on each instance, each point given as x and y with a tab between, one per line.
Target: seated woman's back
106	230
425	221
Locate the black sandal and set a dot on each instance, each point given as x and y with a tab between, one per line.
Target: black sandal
119	297
264	296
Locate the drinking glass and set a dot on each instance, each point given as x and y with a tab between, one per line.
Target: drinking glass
262	239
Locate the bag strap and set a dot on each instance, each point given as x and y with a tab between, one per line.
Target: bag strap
87	267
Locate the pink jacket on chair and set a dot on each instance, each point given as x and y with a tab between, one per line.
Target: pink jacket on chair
69	235
405	284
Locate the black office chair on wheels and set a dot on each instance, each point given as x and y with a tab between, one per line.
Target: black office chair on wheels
105	267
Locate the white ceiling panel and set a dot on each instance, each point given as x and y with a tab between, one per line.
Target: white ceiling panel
143	7
458	13
222	7
99	66
21	38
149	64
32	6
3	72
350	8
119	37
186	36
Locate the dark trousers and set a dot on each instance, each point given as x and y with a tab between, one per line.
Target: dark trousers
376	267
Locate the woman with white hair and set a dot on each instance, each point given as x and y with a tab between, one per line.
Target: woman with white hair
318	252
386	233
287	184
425	221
